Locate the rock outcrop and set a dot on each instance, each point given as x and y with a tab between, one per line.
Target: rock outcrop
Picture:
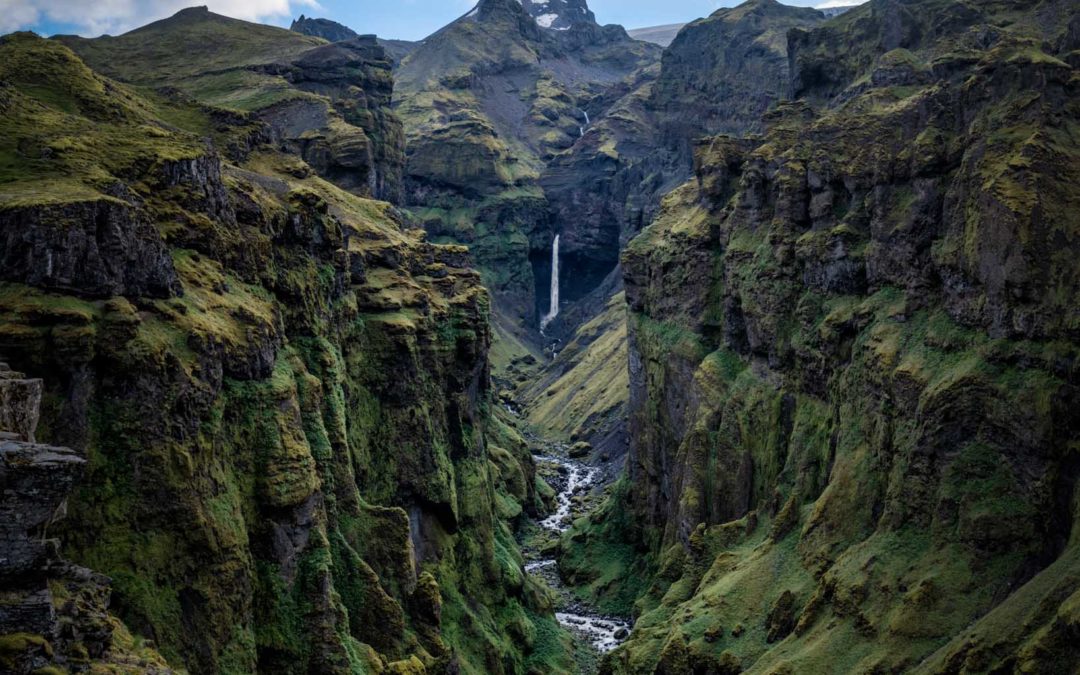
331	31
101	248
365	155
52	613
35	481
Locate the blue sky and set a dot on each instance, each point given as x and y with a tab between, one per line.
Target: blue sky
407	19
414	19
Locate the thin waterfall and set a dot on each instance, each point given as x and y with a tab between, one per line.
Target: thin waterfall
581	130
553	308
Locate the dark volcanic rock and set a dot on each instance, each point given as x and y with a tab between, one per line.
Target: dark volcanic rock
366	155
719	75
95	248
34	483
324	28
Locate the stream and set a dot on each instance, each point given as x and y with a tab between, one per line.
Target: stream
604	633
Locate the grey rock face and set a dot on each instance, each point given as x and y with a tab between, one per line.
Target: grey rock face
35	481
20	400
559	14
366	155
324	28
94	248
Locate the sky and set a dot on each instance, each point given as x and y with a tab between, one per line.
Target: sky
403	19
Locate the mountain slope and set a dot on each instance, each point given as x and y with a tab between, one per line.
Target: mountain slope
487	101
331	103
660	35
719	75
852	361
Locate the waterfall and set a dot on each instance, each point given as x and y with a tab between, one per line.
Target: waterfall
581	130
553	308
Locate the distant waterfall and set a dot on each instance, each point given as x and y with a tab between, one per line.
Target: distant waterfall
553	308
581	130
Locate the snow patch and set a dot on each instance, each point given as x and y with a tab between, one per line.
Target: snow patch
545	20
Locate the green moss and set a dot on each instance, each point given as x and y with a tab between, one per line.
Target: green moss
16	645
187	44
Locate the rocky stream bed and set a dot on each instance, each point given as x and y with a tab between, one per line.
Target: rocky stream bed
599	633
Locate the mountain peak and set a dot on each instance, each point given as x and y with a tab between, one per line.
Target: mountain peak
549	14
559	14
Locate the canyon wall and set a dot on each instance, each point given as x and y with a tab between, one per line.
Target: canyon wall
277	392
853	352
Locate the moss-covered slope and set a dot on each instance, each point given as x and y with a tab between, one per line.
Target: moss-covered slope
329	102
853	353
280	391
581	395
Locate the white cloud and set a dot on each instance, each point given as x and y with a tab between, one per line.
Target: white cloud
839	3
94	17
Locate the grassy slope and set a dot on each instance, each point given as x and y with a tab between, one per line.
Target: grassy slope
585	389
203	54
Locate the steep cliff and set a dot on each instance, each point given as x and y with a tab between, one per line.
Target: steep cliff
853	365
329	103
487	101
719	75
279	391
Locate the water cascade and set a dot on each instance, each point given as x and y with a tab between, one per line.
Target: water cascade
603	632
553	308
581	130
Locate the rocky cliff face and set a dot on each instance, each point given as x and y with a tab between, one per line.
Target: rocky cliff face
331	31
278	391
719	75
487	102
559	14
53	615
853	361
330	103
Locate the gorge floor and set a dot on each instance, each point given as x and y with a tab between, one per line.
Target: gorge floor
573	481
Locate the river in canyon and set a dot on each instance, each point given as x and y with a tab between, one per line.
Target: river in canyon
570	479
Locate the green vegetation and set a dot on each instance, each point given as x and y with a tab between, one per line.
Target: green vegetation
292	464
588	390
190	43
850	415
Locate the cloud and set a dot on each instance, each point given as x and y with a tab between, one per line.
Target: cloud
94	17
839	3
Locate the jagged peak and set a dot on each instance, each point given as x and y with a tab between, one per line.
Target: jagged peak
327	29
549	14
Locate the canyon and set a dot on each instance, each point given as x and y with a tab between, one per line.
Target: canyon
533	347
